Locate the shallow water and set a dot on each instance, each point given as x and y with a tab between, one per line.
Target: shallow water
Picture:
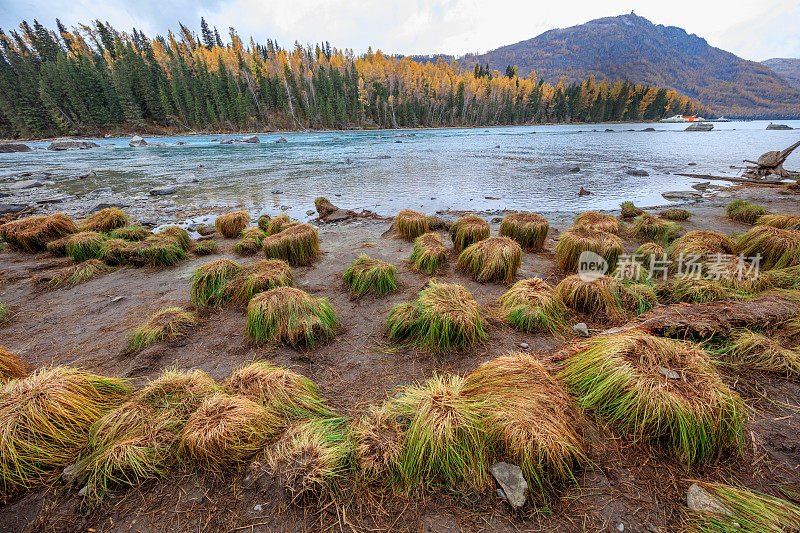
519	168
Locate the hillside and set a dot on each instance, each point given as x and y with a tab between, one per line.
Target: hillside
785	67
630	47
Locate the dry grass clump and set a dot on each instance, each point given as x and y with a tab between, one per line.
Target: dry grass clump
369	275
378	437
10	366
598	221
85	245
177	234
293	396
573	242
779	221
531	418
130	233
743	510
297	245
468	230
157	251
751	350
621	377
278	224
258	277
705	244
531	305
225	431
114	251
251	241
104	220
208	247
492	259
675	214
777	278
263	222
693	289
208	281
428	253
290	316
650	254
58	247
443	318
177	392
647	226
31	234
232	224
44	422
528	229
79	273
166	324
628	210
604	296
410	224
742	211
778	248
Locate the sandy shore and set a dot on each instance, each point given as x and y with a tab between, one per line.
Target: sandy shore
86	326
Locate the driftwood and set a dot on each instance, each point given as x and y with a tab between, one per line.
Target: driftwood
702	321
772	163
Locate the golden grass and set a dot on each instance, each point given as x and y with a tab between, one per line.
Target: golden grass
105	220
690	289
156	250
573	242
750	350
705	244
290	316
493	259
85	245
647	226
368	275
31	234
745	212
428	253
598	221
225	431
297	245
177	392
528	229
79	273
278	224
208	247
621	378
604	296
251	241
777	247
58	247
44	422
258	277
531	305
527	412
468	230
10	366
177	234
444	317
676	215
650	254
410	224
113	251
167	324
263	222
208	281
779	221
130	233
232	224
628	210
378	437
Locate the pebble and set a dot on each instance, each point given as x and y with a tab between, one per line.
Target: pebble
581	329
257	508
523	345
620	527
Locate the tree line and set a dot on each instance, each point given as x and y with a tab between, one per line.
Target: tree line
93	79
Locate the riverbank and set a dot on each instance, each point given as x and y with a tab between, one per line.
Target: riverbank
625	483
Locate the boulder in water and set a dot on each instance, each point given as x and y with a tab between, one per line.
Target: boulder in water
772	126
137	141
252	139
8	148
69	144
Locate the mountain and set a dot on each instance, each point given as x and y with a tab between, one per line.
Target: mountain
630	47
787	68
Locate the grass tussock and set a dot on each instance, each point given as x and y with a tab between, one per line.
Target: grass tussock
598	221
177	234
692	289
628	210
290	316
778	248
528	229
410	224
297	245
776	278
379	436
31	234
531	305
428	253
208	247
114	251
650	255
85	245
166	324
621	378
779	221
745	212
573	242
130	233
283	391
208	281
605	297
58	247
278	224
263	222
675	214
251	241
750	350
105	220
45	420
368	275
649	227
10	366
468	230
79	273
705	244
225	431
156	251
178	393
443	318
743	510
493	259
258	277
529	415
232	224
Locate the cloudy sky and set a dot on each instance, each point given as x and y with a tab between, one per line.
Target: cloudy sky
753	29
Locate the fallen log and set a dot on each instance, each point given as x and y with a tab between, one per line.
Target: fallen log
772	163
